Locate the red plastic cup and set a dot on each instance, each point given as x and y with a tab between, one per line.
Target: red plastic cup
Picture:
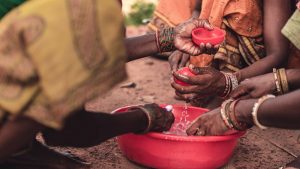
202	35
183	71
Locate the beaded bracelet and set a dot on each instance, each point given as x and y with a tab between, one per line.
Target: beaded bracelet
255	110
234	81
165	40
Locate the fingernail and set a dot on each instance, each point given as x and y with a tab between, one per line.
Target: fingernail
191	66
183	77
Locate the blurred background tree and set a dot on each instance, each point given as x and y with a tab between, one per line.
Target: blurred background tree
140	13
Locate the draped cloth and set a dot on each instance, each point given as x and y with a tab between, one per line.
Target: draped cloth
7	5
55	55
292	31
241	19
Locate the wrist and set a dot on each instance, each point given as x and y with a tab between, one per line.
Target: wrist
238	75
230	83
195	14
244	110
144	119
165	40
293	78
222	86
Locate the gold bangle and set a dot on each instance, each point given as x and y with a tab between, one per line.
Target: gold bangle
279	81
284	81
278	88
224	115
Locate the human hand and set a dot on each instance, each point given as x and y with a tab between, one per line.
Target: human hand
178	60
183	38
255	87
207	81
208	124
159	119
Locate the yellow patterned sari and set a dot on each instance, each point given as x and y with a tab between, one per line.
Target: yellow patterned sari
55	55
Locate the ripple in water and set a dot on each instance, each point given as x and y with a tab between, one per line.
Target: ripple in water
179	128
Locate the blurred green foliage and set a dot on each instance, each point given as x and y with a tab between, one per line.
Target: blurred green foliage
141	11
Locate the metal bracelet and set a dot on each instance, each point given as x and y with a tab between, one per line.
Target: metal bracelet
224	115
234	81
256	107
284	81
278	87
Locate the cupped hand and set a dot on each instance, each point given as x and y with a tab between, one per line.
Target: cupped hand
255	87
178	60
207	81
183	38
208	124
161	119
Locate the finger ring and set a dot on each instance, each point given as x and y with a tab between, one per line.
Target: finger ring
200	132
197	130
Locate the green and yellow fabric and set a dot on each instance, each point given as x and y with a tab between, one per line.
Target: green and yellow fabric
292	29
8	5
55	55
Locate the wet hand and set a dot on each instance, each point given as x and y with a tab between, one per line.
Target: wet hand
208	124
178	60
255	87
208	81
160	119
183	38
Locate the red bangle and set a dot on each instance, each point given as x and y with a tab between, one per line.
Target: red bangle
238	125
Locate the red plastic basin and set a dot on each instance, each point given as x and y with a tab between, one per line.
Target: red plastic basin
158	150
214	37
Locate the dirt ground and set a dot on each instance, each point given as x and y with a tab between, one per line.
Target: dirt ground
257	149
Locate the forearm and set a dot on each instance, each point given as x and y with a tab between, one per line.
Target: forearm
275	15
86	129
281	112
141	46
16	135
129	122
293	78
197	10
261	67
